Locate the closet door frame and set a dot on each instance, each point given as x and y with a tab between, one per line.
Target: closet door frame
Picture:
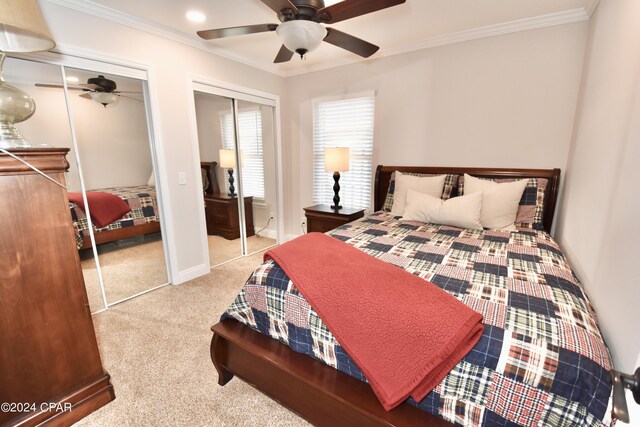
236	93
68	57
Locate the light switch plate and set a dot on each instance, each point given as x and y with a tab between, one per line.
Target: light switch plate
182	178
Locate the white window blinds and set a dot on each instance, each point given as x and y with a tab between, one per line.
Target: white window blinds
251	150
344	123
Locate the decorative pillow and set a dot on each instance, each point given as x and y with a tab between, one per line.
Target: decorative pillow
463	211
531	207
499	201
152	180
449	190
431	185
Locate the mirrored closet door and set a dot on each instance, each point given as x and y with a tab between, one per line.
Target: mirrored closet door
113	199
121	224
237	156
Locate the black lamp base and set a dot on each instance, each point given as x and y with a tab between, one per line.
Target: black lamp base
336	190
231	187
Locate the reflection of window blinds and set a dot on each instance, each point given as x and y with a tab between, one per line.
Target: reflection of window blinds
251	150
345	123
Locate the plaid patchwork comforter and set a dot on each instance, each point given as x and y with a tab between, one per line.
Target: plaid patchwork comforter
541	360
144	208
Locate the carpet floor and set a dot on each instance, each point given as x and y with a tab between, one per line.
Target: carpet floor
135	265
156	348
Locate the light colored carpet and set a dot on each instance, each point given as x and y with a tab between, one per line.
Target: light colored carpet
135	265
128	267
222	250
156	348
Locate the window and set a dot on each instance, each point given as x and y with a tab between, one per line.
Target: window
251	150
344	123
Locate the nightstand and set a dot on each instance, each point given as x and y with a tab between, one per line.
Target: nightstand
223	218
322	218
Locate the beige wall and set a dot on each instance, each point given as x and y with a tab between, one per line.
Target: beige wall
597	226
504	101
170	64
113	142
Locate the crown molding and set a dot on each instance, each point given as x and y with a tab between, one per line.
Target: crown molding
119	17
542	21
113	15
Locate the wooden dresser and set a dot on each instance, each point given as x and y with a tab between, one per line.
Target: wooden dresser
223	218
50	367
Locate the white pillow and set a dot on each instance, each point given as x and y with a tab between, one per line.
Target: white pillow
431	185
462	211
152	180
500	201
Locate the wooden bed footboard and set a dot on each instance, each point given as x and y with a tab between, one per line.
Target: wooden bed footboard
320	394
121	233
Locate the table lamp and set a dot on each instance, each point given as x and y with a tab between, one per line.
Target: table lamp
22	29
228	160
336	160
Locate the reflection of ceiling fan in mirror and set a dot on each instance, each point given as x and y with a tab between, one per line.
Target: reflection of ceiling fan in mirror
100	89
301	28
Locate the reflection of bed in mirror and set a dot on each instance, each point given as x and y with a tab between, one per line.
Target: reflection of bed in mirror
143	218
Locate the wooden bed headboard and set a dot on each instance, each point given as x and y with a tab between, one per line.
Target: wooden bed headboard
210	184
383	177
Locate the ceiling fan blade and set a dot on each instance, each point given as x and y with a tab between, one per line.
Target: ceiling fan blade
236	31
58	86
283	55
350	43
278	5
85	96
348	9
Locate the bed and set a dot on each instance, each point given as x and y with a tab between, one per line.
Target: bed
142	219
541	359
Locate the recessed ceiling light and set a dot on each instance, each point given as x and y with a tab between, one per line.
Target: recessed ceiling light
196	16
72	79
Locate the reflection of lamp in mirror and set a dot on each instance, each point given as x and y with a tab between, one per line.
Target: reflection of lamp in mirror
336	160
22	29
228	160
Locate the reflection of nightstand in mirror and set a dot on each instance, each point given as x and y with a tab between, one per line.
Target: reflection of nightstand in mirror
223	218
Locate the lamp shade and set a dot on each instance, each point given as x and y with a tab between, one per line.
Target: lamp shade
104	98
22	28
336	159
301	36
228	159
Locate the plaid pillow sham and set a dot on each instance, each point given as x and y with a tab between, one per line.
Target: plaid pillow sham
531	207
450	187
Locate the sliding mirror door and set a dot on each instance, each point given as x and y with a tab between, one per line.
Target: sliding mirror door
237	157
121	223
50	125
218	162
256	141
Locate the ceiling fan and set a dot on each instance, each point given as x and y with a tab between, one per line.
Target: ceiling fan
100	89
301	29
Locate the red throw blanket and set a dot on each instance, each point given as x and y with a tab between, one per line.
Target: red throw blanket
405	333
105	208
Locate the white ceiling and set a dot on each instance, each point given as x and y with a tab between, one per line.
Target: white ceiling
410	26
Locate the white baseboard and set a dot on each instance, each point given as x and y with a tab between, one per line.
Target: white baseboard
191	273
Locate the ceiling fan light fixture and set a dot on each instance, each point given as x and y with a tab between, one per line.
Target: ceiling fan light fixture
301	36
104	98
